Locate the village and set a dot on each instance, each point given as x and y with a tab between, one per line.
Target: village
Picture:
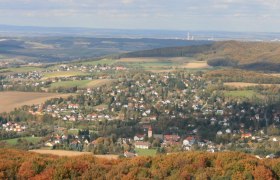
166	112
41	79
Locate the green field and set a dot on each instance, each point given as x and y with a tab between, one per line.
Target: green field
69	84
64	74
241	93
22	69
14	141
73	131
81	83
146	152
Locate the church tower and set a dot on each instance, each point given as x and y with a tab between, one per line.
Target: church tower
150	132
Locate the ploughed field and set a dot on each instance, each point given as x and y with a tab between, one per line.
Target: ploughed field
9	100
81	83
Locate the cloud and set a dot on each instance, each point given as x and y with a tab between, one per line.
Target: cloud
127	1
139	13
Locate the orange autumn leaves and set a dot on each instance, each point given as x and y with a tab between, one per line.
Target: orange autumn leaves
16	164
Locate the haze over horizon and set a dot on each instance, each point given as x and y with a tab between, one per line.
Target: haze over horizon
209	15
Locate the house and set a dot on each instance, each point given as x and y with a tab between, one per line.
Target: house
57	141
189	141
153	118
142	145
220	112
73	106
174	138
129	154
139	137
271	156
246	135
72	118
228	131
49	144
120	68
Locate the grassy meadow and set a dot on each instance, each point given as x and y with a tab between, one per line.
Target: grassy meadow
30	139
146	152
241	94
64	74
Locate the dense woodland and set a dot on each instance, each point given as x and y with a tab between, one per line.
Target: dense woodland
237	75
16	164
244	55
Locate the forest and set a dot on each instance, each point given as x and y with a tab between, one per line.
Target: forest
237	75
16	164
244	55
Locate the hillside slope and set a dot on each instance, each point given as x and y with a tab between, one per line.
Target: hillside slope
16	164
246	55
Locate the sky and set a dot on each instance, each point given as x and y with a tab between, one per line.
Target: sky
205	15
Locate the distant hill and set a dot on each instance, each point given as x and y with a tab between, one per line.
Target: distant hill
246	55
16	164
61	48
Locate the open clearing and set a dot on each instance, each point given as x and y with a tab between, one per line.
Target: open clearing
165	64
64	74
275	74
14	141
155	59
72	153
143	60
241	94
82	83
196	65
21	69
146	152
243	84
13	99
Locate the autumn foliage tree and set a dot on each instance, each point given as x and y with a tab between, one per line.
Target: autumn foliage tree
15	164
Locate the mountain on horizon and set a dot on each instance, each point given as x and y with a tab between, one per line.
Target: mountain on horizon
13	30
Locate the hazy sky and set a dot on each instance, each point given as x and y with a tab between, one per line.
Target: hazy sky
230	15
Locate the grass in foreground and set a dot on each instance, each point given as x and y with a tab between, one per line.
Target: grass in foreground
146	152
14	141
241	93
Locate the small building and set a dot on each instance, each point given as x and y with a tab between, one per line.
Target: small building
49	144
246	135
139	137
142	145
189	141
150	132
171	138
129	154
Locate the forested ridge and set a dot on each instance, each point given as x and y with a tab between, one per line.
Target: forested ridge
237	75
244	55
15	164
